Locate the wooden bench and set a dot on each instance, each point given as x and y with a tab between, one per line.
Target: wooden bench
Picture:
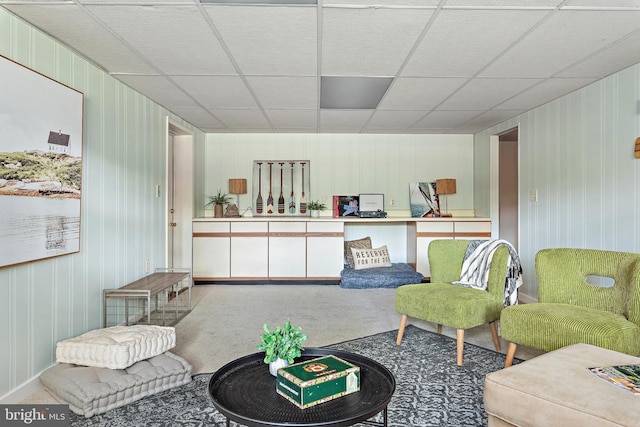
151	286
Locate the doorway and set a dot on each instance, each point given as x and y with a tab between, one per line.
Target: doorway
179	196
508	186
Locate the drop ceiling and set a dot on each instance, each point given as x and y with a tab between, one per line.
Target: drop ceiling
457	66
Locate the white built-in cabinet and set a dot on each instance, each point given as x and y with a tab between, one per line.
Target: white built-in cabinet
421	233
306	249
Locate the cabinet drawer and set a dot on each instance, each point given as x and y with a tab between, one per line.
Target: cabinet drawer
249	227
287	227
325	227
211	227
473	229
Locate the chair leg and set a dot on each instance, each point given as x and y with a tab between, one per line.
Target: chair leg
494	333
439	328
403	323
460	345
511	351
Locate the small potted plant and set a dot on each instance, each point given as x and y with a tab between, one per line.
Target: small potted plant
315	207
218	201
281	345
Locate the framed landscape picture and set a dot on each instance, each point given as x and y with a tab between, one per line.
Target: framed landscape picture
41	128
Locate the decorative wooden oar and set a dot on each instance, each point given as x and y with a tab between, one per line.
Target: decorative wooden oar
303	200
281	198
259	199
637	152
270	198
292	199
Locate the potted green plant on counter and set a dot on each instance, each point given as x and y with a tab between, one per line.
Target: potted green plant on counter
281	345
218	201
315	206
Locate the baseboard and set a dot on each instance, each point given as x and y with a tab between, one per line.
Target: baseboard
23	391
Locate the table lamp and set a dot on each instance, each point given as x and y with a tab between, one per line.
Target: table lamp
443	187
237	186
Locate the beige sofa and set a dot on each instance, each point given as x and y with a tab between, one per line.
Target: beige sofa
557	389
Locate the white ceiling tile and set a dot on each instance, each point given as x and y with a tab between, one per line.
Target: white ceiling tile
564	39
160	90
445	119
617	57
72	26
469	40
369	42
241	119
218	91
389	3
348	121
394	120
285	92
278	40
419	93
542	93
486	120
290	120
199	117
481	94
185	35
549	4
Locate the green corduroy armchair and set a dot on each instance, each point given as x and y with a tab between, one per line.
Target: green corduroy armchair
575	308
450	305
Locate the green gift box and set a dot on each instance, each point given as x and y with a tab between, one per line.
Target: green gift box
316	381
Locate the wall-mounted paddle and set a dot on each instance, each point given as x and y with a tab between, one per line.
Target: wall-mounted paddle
292	199
259	198
281	198
270	198
303	199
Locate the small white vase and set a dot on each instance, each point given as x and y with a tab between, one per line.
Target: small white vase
277	364
315	213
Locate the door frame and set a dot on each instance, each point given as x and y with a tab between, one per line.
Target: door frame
494	182
184	210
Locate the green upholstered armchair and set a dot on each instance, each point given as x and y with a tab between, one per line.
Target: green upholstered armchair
450	305
570	310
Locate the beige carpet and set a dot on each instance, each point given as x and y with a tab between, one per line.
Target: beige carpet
226	321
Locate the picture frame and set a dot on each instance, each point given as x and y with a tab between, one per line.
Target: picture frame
423	200
40	165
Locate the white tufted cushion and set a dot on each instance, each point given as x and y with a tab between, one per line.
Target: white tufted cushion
117	347
89	391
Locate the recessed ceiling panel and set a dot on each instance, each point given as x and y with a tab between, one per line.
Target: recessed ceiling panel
353	92
285	92
269	40
408	93
176	38
482	94
564	39
462	42
369	41
218	91
75	28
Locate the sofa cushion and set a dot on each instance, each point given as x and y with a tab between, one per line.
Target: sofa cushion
117	347
370	258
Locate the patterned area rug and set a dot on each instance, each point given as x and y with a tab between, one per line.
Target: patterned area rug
431	390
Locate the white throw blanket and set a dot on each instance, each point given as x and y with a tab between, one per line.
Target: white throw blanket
476	265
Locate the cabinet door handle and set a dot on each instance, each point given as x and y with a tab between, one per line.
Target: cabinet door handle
172	224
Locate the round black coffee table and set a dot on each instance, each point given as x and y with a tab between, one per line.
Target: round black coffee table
244	391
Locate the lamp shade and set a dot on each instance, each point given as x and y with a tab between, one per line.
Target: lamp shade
446	186
237	186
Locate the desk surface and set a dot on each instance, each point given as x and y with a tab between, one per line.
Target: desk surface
154	283
244	391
